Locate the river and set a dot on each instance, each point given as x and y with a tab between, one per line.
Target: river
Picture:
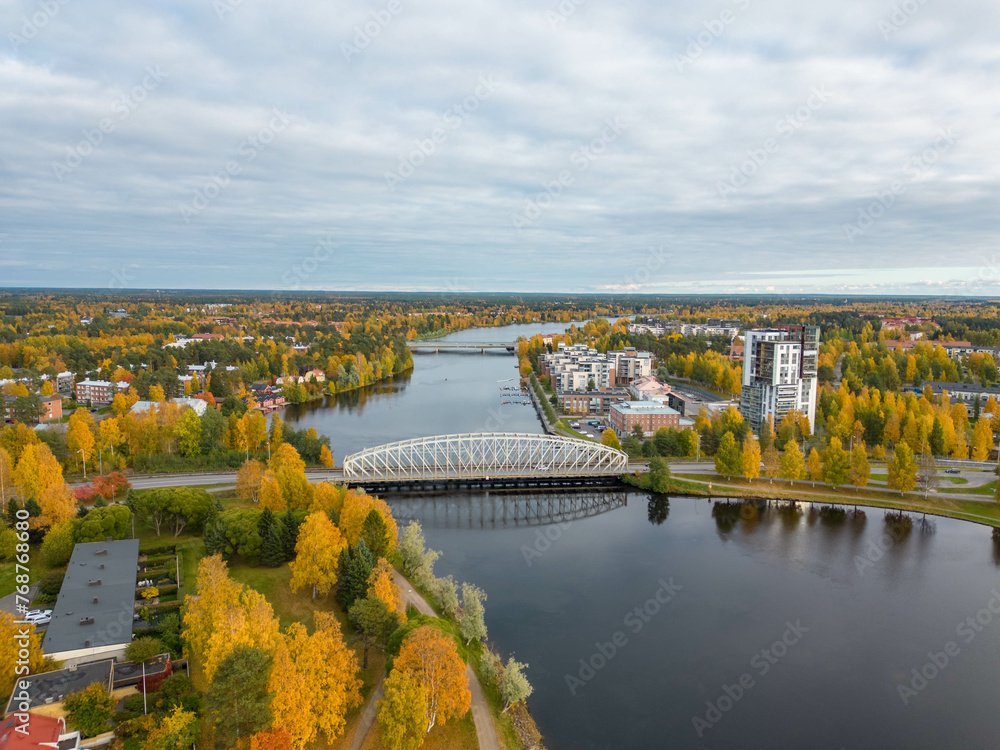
756	628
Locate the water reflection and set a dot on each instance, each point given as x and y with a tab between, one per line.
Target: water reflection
658	509
496	509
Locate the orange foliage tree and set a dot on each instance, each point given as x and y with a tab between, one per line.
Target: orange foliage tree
432	659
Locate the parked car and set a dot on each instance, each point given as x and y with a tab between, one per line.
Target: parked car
952	471
575	425
38	616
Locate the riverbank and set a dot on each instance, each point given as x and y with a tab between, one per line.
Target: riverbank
987	514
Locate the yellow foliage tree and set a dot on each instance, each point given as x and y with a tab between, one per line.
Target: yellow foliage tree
325	457
248	481
80	435
327	498
57	503
11	645
270	493
36	471
402	712
317	555
289	470
982	440
382	585
815	466
432	659
751	457
156	394
314	681
355	510
223	614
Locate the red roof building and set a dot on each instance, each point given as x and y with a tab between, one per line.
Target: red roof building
39	732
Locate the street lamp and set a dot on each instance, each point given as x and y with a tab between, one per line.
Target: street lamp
84	464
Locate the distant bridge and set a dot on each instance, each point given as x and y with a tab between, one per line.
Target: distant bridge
482	346
487	459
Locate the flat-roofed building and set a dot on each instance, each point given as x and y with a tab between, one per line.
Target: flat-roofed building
650	415
95	391
93	614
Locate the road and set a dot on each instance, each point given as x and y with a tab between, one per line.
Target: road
480	709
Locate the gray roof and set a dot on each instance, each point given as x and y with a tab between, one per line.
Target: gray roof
53	687
97	598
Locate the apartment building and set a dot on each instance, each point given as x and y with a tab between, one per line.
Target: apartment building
95	391
779	373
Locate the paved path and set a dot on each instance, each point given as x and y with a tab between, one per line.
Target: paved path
480	709
368	717
9	602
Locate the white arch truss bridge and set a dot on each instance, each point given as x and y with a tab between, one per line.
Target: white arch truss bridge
484	456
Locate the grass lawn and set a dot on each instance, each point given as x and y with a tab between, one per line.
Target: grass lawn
455	735
968	510
985	490
563	425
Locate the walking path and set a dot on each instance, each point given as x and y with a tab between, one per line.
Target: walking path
368	717
480	709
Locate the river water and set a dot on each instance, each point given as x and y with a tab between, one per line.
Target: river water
756	627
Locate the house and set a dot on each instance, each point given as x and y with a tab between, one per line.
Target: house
93	614
53	409
649	415
37	732
649	389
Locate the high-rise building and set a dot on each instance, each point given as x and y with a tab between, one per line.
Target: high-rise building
779	373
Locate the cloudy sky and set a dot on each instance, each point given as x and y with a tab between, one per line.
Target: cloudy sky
582	146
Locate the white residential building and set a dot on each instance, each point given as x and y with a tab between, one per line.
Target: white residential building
779	373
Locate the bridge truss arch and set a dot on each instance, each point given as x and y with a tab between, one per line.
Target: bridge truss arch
484	455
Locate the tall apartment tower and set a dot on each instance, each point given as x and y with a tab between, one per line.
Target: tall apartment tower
779	373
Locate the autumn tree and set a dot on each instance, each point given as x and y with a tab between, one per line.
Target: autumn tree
11	647
314	681
902	469
473	613
860	469
288	469
36	471
248	481
270	492
792	463
176	730
402	712
239	698
271	739
80	439
382	585
772	460
982	440
6	479
156	394
659	474
610	439
189	433
223	614
836	464
728	461
432	659
317	555
815	466
109	435
325	457
751	457
355	510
